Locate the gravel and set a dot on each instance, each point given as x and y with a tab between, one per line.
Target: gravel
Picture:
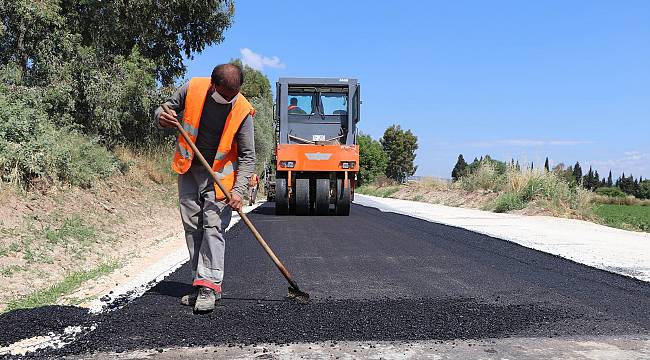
27	323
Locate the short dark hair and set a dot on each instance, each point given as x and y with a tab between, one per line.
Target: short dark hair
229	75
293	101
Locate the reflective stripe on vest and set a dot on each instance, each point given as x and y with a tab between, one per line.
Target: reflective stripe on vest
225	162
190	129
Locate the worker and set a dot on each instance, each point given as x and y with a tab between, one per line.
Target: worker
253	186
219	120
294	108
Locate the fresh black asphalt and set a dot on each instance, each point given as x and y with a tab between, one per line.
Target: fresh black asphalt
372	276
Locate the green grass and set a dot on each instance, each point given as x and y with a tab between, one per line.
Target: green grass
10	270
508	201
72	228
385	191
418	197
70	283
629	217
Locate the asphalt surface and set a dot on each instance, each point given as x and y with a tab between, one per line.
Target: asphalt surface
372	276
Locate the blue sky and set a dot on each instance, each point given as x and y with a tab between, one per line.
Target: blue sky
565	79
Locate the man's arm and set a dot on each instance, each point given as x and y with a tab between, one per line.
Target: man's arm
246	156
176	102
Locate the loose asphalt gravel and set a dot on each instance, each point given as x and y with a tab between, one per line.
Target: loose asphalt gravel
372	276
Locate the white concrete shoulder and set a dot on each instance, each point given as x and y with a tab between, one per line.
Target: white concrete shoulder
602	247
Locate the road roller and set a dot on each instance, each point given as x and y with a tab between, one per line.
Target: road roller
316	154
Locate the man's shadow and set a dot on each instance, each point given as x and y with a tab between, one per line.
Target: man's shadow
172	288
179	289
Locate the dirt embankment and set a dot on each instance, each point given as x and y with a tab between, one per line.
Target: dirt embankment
48	237
443	192
433	191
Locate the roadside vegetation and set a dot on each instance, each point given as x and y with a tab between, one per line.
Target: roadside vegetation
499	186
69	283
629	217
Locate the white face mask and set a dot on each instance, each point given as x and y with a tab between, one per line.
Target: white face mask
220	100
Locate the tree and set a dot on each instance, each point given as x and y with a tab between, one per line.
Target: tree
372	159
546	166
596	180
610	183
400	146
588	180
644	189
96	65
257	89
460	169
113	28
627	184
577	172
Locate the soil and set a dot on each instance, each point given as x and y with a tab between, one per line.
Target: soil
118	221
439	192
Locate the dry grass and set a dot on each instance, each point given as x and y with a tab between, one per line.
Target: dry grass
431	190
525	191
628	200
47	235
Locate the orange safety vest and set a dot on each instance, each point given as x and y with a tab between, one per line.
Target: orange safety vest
225	162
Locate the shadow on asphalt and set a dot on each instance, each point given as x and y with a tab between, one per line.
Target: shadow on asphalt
174	289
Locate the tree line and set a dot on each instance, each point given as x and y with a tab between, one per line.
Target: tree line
79	78
591	180
393	155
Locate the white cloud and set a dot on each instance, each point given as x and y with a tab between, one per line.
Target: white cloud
632	162
528	142
258	61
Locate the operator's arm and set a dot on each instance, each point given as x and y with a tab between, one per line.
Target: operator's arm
176	102
246	156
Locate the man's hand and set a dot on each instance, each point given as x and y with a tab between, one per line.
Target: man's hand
168	120
235	202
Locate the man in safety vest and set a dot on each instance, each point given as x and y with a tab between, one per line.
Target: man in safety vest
219	121
294	108
253	186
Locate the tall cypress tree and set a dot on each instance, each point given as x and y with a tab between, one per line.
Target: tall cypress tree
546	167
577	172
460	169
588	180
610	183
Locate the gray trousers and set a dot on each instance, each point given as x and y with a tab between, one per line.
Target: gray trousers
252	194
205	221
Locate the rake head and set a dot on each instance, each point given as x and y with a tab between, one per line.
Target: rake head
298	295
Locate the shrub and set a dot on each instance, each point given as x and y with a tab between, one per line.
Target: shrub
610	191
32	148
508	201
626	200
485	177
372	159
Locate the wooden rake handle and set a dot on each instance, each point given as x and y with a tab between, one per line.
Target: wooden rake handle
225	191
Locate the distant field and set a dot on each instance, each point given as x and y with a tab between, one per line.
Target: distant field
630	217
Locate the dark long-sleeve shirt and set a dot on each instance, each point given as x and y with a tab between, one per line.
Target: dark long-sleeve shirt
213	120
